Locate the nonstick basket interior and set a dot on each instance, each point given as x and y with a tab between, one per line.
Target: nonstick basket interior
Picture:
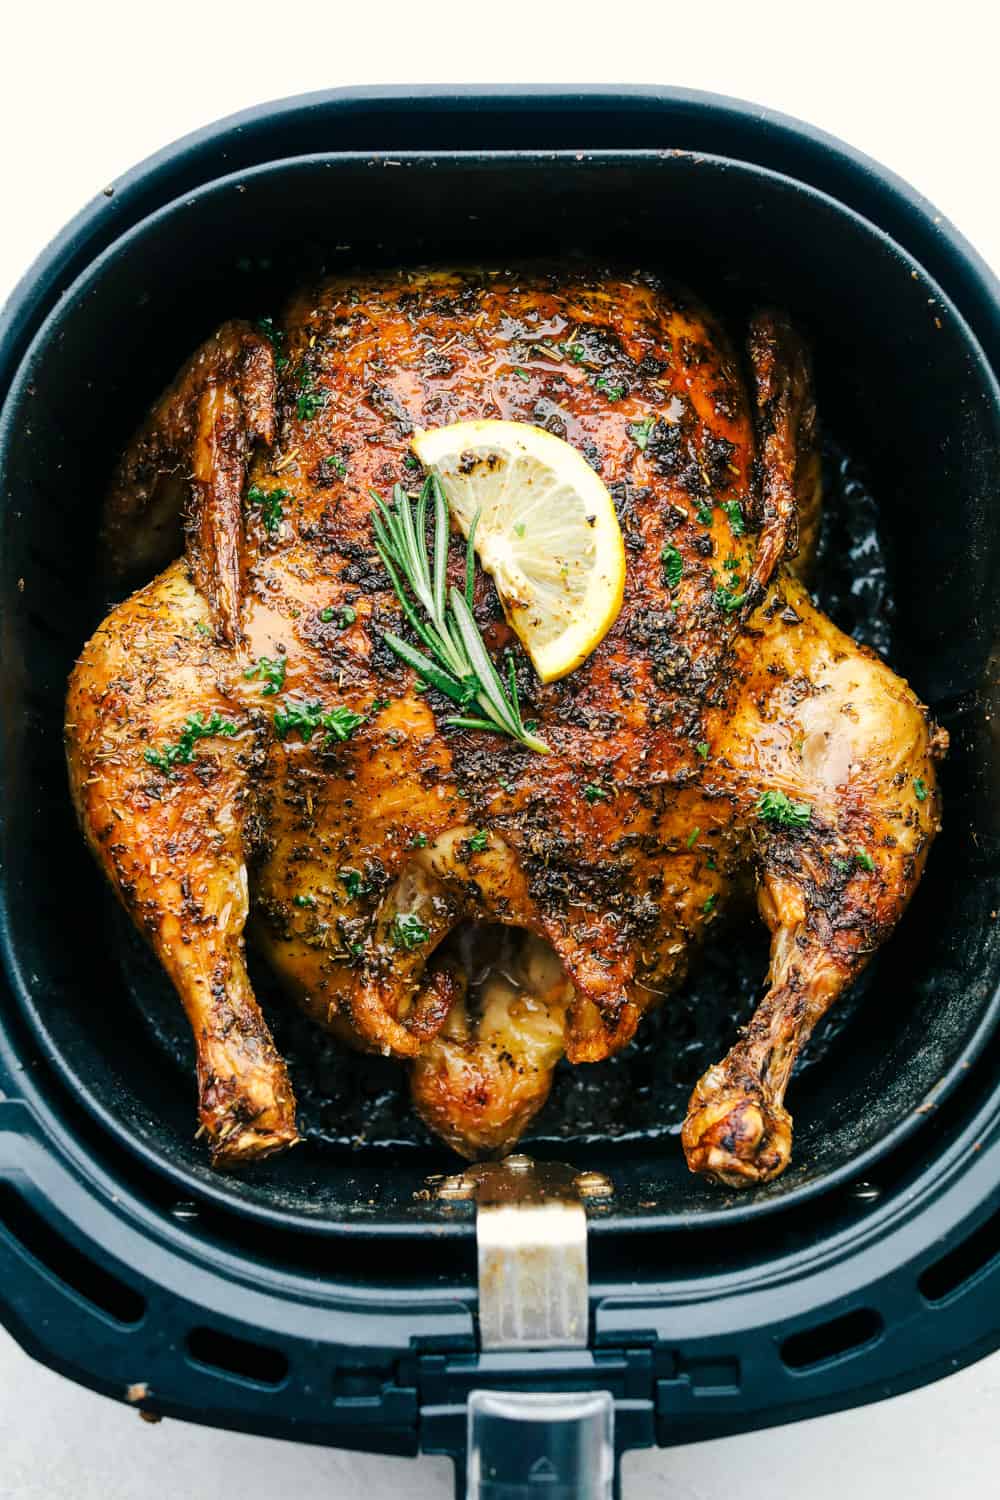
910	562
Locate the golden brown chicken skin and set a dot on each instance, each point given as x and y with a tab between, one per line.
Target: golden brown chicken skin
722	726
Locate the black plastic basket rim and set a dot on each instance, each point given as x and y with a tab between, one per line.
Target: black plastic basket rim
34	293
223	1193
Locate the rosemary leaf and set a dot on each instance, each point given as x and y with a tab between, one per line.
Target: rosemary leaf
440	545
514	702
425	633
460	691
422	529
490	684
470	561
459	722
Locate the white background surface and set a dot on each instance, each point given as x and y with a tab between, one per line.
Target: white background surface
86	90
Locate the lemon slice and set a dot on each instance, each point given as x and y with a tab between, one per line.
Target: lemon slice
547	533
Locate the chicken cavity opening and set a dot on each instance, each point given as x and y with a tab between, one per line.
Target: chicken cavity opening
515	984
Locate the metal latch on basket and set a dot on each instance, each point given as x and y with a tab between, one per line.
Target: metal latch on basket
531	1230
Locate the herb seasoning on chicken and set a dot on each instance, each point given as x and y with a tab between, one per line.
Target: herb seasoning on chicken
722	726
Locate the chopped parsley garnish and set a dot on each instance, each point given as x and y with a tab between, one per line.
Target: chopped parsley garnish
920	789
411	461
576	352
418	841
308	404
271	672
303	900
408	931
691	839
673	565
594	793
703	513
640	432
781	812
202	628
348	614
729	597
269	501
353	882
478	841
734	515
309	401
860	857
339	723
332	462
702	749
521	374
709	906
276	338
519	528
605	386
182	751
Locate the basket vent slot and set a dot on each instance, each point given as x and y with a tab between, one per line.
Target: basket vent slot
76	1271
953	1272
224	1355
832	1340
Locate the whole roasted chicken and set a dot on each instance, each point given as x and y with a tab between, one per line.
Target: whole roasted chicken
247	753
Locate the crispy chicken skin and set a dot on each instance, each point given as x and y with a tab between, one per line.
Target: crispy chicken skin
174	848
616	853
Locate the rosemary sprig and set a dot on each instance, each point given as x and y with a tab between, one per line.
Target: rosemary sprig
456	661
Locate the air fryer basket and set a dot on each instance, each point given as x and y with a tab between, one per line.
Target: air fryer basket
887	346
100	1100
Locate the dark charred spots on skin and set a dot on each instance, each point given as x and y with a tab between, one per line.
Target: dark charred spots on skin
674	516
592	453
651	366
672	451
719	454
389	406
461	304
629	500
331	470
550	415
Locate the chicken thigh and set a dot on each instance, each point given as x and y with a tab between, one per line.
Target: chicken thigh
244	749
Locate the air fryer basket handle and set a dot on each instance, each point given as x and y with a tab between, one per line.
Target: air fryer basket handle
522	1444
